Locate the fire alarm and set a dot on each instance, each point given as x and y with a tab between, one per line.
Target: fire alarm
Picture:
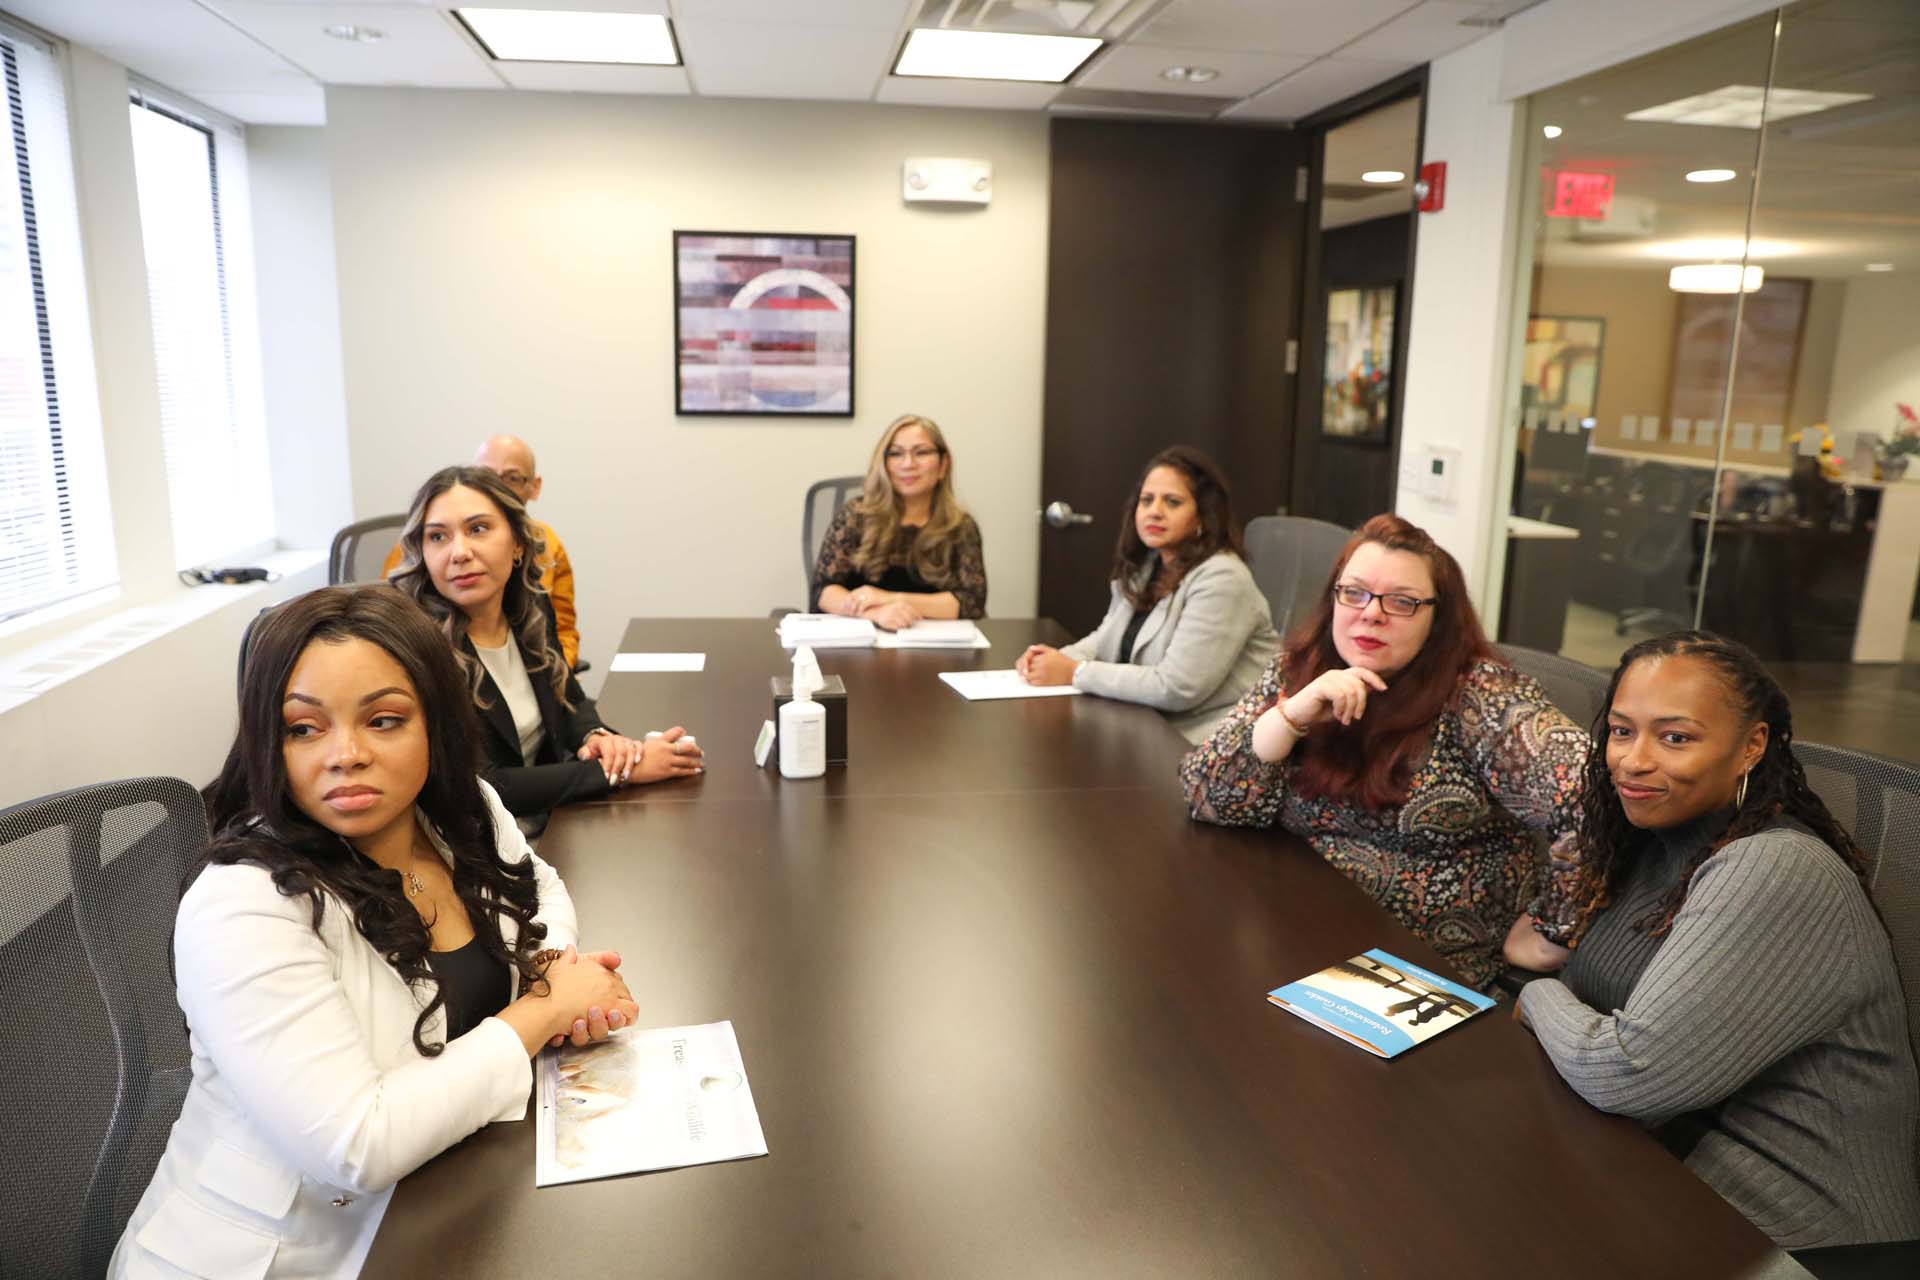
1432	187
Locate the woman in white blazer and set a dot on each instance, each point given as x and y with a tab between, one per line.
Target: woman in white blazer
1188	631
352	952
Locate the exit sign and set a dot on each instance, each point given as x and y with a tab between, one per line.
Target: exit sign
1568	193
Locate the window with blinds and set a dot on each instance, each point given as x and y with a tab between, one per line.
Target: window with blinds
191	173
56	531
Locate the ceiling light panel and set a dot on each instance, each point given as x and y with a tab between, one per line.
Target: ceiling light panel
1738	106
992	55
553	35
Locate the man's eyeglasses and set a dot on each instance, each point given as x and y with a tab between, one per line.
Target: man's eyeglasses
515	480
1394	603
919	453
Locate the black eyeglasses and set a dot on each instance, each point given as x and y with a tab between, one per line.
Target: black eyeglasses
1393	603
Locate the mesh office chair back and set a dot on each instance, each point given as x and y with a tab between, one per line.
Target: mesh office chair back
93	1060
824	500
1574	687
1290	556
361	548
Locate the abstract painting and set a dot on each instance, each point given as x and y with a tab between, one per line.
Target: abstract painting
763	324
1357	398
1560	378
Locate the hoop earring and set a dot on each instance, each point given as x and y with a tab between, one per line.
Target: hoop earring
1740	796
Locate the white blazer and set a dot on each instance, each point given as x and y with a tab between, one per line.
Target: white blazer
309	1100
1198	652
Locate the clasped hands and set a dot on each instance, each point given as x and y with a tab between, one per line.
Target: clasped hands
887	609
627	762
588	986
1042	664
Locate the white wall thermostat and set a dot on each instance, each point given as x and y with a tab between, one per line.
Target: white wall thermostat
946	180
1437	467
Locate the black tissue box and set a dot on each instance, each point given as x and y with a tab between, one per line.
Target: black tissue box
833	696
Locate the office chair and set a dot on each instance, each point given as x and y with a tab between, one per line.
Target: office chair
1664	553
343	561
1877	799
1290	556
823	502
93	1059
1574	687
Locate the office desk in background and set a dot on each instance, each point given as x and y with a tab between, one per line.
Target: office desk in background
1004	1016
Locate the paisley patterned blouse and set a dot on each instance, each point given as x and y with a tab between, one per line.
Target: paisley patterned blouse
1458	862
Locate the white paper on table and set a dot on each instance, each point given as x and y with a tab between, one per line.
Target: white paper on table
1629	426
1683	430
934	633
659	662
661	1098
986	686
1769	437
826	631
1742	435
1706	431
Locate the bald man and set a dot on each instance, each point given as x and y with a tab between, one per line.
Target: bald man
509	458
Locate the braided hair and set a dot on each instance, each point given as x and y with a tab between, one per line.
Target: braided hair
1777	791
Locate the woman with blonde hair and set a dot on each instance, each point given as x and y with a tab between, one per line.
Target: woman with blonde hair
905	549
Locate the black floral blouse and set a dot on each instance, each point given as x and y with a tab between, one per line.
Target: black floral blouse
1458	862
836	567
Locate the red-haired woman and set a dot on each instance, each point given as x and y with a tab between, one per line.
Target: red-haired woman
1390	736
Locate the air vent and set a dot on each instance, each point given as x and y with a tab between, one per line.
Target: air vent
1183	105
1108	19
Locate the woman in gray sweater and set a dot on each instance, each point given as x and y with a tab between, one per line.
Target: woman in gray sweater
1188	631
1730	984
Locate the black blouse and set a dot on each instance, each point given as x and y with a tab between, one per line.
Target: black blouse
835	566
474	984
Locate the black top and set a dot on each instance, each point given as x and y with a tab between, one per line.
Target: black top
840	545
1132	633
531	788
474	983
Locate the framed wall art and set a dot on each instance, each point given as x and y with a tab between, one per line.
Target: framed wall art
763	324
1357	395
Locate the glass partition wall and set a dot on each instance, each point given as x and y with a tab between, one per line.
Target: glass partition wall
1722	329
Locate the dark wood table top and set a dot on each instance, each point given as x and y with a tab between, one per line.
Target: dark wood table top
1007	1028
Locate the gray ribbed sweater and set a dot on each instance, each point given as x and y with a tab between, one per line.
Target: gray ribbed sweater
1773	1012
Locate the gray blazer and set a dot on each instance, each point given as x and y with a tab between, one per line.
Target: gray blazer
1199	650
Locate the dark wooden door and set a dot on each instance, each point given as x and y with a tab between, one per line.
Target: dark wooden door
1172	291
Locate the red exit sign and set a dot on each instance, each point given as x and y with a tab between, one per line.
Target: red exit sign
1568	193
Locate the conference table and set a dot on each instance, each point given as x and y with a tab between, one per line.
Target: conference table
1001	1006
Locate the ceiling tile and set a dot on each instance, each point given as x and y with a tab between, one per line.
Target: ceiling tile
989	95
593	77
422	47
1306	27
1318	84
306	107
1422	35
771	60
174	42
876	15
1138	68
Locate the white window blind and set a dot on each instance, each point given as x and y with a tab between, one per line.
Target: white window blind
198	234
56	531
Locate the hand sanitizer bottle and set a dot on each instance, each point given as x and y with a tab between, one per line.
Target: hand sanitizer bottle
803	722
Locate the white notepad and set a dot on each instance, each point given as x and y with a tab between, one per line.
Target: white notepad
659	662
826	631
656	1099
985	686
936	633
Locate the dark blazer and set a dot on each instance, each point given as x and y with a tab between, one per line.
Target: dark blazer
556	778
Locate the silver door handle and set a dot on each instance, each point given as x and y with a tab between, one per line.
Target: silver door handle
1061	514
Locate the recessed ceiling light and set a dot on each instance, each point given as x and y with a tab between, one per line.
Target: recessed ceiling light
992	55
1720	248
1190	75
1738	106
1383	176
554	35
1715	277
1712	175
1551	130
1879	266
359	35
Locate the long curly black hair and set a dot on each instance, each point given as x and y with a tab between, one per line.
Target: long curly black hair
1609	845
255	820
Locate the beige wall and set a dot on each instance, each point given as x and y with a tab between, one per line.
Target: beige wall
1878	362
1636	354
505	264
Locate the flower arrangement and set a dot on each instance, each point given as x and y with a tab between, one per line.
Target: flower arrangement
1906	434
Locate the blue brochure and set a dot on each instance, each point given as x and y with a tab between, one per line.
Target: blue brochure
1380	1002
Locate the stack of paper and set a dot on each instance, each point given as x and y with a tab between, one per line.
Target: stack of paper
658	1099
826	631
935	634
987	686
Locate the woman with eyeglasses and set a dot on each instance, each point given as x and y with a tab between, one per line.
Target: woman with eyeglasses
1391	737
1188	631
904	549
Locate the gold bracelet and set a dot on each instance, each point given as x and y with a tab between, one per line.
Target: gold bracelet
1299	730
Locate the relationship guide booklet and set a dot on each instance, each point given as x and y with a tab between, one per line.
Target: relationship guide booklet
643	1100
1380	1002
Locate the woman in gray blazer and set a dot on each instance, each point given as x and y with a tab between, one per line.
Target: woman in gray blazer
1188	632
